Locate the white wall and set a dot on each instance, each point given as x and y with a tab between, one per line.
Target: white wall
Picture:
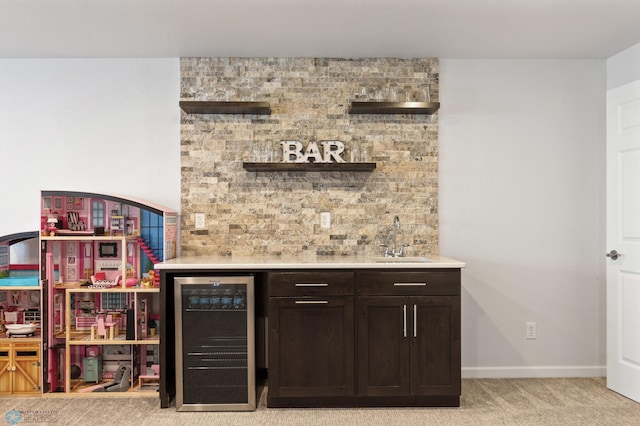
108	126
624	67
522	188
521	184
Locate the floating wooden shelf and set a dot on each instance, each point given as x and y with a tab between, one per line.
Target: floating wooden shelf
394	107
207	107
309	167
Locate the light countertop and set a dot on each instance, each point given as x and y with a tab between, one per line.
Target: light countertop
318	262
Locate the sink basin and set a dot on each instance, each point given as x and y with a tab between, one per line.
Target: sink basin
406	259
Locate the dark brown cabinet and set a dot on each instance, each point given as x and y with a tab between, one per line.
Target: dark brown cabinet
394	342
404	346
311	338
349	337
408	338
383	352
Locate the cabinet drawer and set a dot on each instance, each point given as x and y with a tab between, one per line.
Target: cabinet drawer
398	282
34	347
311	283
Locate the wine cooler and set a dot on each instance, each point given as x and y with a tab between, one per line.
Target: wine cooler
215	343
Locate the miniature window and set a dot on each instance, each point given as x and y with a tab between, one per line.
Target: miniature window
97	213
4	256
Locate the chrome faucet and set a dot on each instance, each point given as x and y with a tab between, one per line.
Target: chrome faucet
396	228
394	251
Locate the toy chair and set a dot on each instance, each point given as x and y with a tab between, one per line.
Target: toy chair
112	325
102	330
121	381
73	221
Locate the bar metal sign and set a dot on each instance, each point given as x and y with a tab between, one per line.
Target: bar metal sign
295	152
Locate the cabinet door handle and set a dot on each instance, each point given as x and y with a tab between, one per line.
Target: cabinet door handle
410	284
415	320
311	285
311	302
404	320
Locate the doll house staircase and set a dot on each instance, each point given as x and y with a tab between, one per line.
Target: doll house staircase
144	246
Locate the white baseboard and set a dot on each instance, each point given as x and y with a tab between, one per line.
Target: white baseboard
531	372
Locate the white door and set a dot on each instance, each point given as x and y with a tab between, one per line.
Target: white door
623	237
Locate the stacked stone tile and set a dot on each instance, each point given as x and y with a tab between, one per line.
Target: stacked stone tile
278	213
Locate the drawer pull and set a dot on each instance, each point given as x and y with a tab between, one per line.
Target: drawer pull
410	284
311	285
311	302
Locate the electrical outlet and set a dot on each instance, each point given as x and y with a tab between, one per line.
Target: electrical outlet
532	331
200	221
325	220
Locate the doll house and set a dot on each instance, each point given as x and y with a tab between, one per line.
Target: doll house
20	317
99	289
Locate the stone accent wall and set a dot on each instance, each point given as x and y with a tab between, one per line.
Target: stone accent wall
278	213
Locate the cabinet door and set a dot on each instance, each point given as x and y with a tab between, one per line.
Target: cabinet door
20	369
311	349
27	369
6	370
383	346
435	345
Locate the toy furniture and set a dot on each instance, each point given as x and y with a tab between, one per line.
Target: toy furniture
92	369
11	317
20	372
100	327
121	382
74	223
155	377
113	327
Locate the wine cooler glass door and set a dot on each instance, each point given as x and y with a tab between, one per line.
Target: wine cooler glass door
215	350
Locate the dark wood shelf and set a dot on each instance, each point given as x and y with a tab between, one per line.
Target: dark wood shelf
210	107
394	107
309	167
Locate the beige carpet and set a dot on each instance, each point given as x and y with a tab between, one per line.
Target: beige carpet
580	401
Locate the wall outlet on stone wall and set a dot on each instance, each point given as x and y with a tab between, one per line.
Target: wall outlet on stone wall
325	220
200	221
